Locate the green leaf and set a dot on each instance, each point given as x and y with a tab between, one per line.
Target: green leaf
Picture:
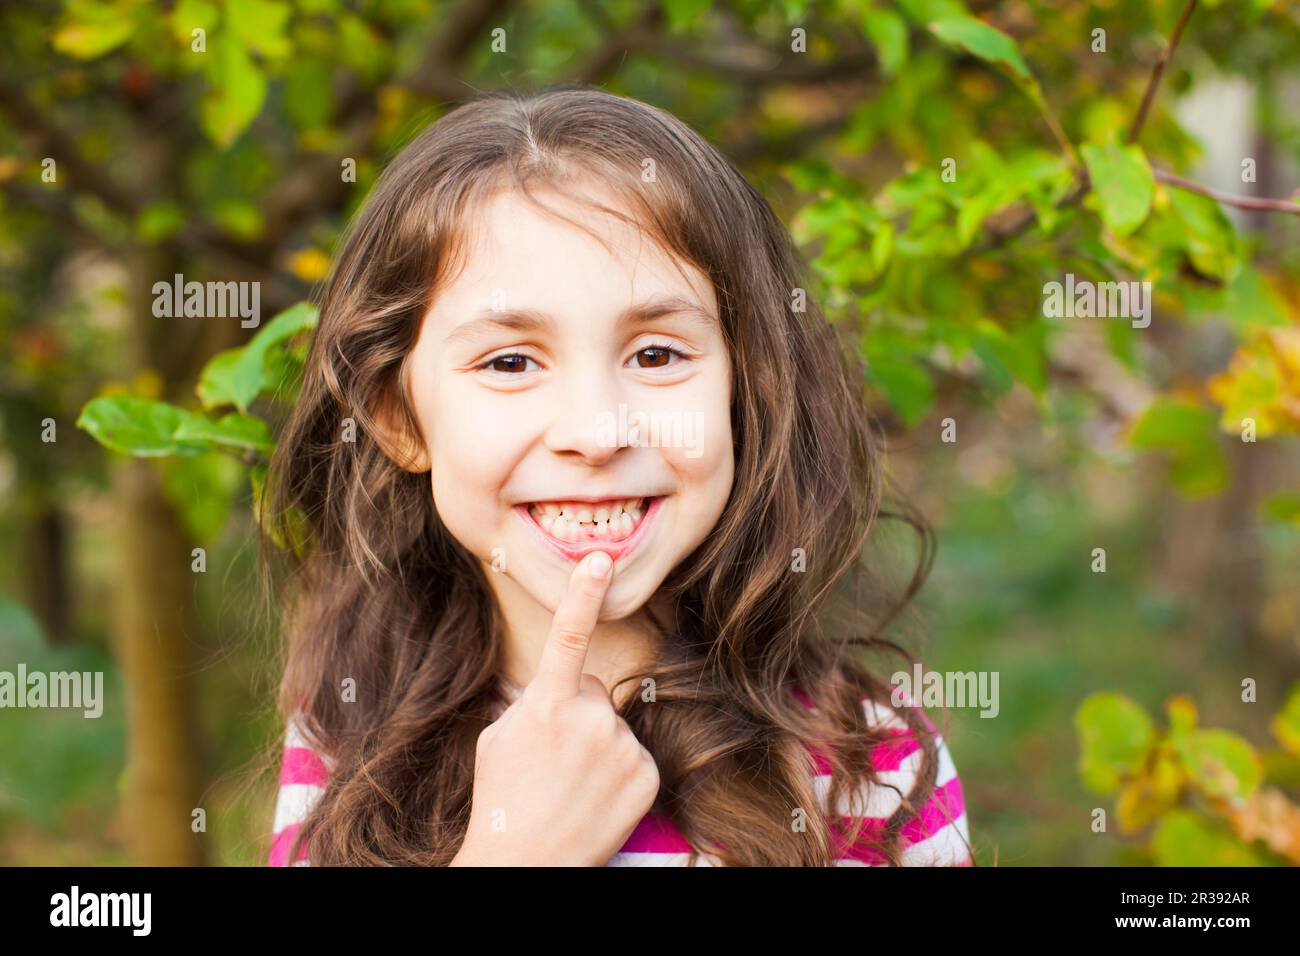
1208	234
360	47
200	488
299	529
238	89
239	217
137	426
234	430
1283	508
158	221
92	30
887	32
905	384
1170	422
217	382
1184	839
1010	357
979	39
1220	763
191	15
682	13
1189	433
924	11
1250	301
297	318
1114	735
882	246
308	94
1123	183
237	376
259	25
1286	725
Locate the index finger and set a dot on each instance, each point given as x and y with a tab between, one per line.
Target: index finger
559	672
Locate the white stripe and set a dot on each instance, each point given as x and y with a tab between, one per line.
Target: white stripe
882	800
294	803
651	859
880	715
295	736
947	847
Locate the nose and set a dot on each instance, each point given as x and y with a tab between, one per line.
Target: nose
586	419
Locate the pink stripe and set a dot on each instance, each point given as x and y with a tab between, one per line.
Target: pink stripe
303	765
886	755
890	754
947	804
656	834
280	846
941	810
821	762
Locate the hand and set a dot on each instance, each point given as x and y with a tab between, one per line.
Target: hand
559	778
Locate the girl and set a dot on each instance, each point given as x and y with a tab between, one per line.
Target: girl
511	389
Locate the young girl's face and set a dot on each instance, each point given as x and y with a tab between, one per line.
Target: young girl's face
530	374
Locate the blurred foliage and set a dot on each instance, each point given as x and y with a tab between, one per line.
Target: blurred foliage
1201	790
939	162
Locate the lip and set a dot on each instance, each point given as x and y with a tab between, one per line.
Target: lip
576	550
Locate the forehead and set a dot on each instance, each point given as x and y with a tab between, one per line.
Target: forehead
519	255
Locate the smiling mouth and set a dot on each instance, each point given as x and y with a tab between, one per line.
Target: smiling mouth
611	520
576	528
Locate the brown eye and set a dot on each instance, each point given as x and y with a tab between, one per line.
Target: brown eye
660	356
507	364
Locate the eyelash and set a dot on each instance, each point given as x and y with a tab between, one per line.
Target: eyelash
645	348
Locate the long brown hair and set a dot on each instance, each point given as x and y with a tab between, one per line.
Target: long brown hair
385	596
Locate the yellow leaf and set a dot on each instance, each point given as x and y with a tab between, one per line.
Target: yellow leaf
1262	382
310	265
147	384
1154	791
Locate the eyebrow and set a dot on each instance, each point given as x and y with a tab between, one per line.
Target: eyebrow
532	320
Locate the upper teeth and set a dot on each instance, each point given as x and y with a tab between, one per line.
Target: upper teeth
580	511
608	519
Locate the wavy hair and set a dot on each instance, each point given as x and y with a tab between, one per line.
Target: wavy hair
382	593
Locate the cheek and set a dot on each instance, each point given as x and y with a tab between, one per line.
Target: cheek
468	471
705	464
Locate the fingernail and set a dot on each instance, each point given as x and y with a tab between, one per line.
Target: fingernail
598	564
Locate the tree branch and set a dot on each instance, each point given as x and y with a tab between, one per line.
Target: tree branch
1241	202
1153	84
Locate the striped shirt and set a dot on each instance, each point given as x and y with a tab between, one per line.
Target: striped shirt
938	835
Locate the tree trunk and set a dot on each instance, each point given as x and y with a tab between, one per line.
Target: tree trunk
154	615
45	571
155	622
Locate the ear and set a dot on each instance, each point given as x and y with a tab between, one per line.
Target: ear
395	440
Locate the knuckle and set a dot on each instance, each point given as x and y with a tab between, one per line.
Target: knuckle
570	638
